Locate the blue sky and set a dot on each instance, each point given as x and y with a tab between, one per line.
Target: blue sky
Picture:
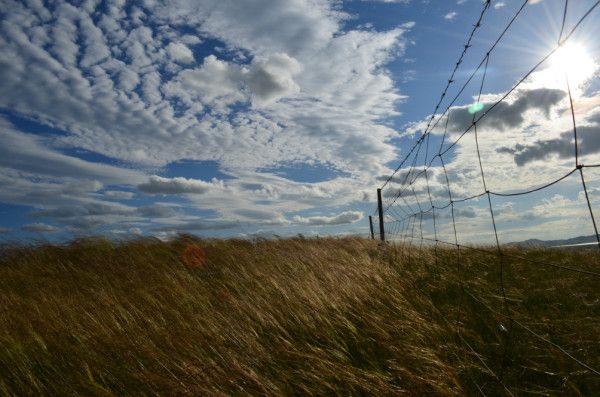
237	119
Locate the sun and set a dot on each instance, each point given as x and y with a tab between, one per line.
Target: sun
570	60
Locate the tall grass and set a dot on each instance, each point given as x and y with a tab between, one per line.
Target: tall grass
290	317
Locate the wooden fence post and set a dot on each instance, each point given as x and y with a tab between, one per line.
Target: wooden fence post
380	210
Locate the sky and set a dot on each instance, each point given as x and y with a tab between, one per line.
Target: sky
228	118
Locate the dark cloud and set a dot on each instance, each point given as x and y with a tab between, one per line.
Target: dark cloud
251	186
87	216
84	224
507	150
563	146
197	226
465	213
88	209
272	78
156	211
159	185
262	215
436	191
398	177
506	115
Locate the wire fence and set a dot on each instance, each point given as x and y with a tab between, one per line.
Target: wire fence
419	203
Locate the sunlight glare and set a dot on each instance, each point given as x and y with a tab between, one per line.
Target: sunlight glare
572	60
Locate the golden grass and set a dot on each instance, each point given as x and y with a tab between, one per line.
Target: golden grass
288	317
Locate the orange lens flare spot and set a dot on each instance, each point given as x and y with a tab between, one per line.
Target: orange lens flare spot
193	256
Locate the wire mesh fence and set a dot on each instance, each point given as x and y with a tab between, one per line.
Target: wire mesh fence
447	195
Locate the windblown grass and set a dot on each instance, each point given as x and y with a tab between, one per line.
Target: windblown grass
291	317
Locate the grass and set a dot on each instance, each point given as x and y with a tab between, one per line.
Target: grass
292	317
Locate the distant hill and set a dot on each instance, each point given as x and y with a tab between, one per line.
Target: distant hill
555	243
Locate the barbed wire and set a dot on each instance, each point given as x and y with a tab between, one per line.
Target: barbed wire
403	222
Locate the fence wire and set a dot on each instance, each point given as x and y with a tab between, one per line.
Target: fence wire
401	215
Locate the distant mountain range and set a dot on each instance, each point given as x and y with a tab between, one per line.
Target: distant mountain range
581	240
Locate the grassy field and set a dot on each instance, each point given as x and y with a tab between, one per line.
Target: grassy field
294	317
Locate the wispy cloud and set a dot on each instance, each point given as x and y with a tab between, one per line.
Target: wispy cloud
39	228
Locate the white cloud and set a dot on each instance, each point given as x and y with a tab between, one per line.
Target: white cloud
215	80
95	48
293	26
499	5
179	52
119	195
222	83
339	219
450	16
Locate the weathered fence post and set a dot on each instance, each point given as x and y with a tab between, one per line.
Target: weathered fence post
371	226
380	210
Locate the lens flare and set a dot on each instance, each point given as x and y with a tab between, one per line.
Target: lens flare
476	108
193	256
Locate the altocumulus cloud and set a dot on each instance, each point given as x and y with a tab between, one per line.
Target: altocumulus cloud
179	52
139	85
123	81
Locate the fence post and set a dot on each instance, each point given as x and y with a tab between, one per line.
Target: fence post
380	209
371	226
